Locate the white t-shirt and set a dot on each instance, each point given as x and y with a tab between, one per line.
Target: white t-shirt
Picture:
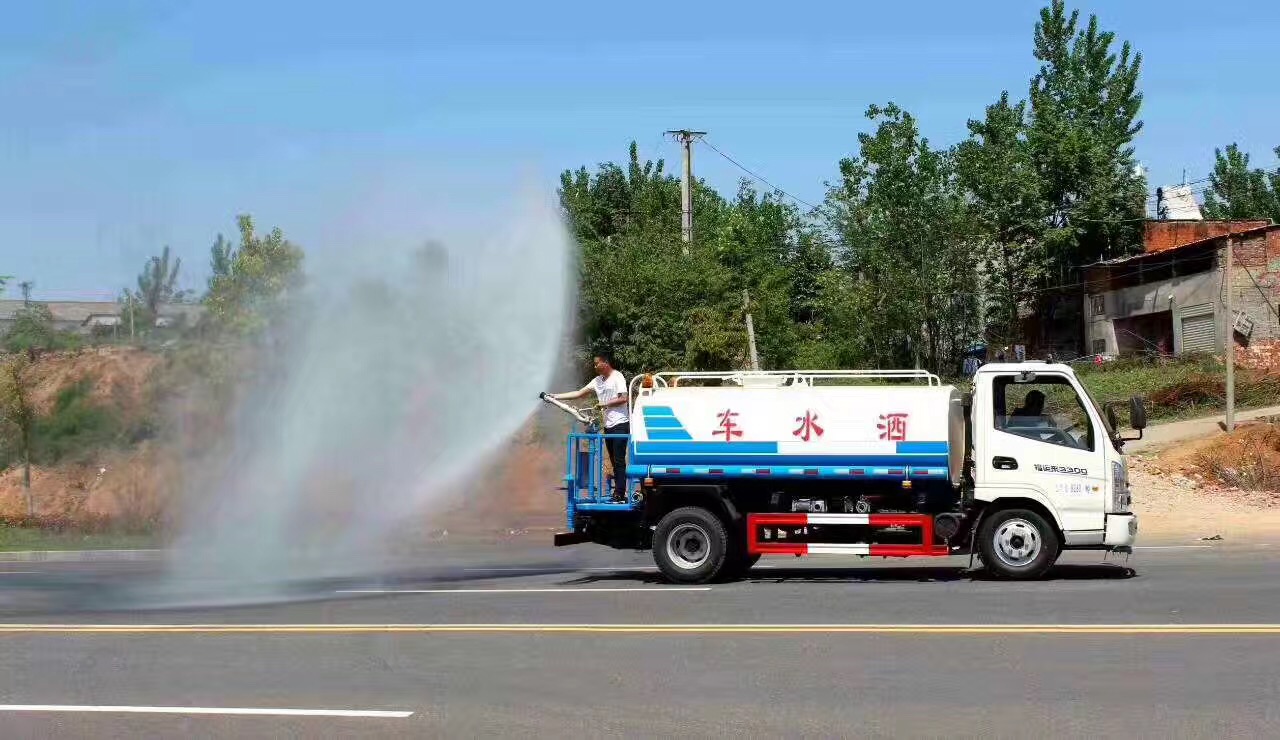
608	389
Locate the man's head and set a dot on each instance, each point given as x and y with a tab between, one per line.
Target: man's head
1034	403
603	364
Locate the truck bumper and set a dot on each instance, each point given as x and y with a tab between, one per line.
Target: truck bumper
1122	530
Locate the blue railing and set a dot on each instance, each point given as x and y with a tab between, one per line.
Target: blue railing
587	485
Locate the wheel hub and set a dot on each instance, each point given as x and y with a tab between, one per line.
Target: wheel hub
688	546
1017	542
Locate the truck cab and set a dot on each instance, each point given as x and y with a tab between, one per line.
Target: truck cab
725	467
1041	442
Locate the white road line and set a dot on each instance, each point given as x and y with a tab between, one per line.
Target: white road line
615	628
257	711
651	589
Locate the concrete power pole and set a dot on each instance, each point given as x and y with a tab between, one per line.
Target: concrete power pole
686	139
1231	335
751	331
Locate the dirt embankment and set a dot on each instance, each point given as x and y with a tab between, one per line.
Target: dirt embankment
1226	485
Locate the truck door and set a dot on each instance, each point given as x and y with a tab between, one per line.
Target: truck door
1040	435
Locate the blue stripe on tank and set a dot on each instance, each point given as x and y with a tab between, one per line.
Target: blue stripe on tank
672	435
662	422
922	448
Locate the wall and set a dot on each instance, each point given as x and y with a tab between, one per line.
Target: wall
1256	284
1188	291
1160	236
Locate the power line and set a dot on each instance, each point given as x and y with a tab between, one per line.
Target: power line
753	174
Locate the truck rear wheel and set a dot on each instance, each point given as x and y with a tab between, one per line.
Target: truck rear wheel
1018	544
690	545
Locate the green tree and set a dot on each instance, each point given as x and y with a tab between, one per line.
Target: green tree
644	295
33	329
222	256
1084	105
1239	192
258	279
18	416
157	286
775	257
996	168
901	222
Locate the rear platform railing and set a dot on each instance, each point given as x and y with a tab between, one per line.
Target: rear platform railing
588	485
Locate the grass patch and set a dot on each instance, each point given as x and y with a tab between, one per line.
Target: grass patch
1179	388
33	538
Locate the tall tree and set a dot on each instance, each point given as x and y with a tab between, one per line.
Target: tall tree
903	232
222	256
262	271
1084	105
644	295
995	166
157	285
1237	191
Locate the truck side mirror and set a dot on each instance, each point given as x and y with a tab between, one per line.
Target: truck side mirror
1137	413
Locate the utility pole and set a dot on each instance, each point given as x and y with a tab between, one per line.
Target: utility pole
751	330
1231	335
686	139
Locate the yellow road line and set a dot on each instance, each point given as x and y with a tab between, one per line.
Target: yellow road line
651	629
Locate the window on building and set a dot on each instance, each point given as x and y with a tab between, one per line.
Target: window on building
1099	304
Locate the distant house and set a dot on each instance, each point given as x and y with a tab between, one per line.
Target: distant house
84	317
1170	298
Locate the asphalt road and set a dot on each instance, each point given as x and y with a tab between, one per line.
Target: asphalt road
587	643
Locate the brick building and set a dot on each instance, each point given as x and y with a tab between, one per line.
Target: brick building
1170	298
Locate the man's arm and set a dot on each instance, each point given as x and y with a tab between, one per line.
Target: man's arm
573	395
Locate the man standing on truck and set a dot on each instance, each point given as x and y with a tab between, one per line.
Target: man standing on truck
611	395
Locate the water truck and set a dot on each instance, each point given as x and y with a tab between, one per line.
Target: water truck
724	467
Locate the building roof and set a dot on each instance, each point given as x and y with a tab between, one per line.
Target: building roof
1161	236
81	311
76	311
1164	237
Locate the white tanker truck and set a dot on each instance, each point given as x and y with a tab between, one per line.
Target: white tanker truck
726	467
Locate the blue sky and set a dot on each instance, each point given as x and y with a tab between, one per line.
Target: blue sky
132	124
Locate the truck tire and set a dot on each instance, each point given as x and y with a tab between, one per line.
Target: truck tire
1017	544
690	545
737	566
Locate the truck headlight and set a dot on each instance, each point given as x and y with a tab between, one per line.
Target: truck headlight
1120	499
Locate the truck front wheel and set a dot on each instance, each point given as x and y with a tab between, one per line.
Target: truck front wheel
690	545
1017	544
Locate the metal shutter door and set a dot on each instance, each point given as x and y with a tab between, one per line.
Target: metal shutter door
1198	333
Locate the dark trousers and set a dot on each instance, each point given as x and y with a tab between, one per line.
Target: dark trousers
618	458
